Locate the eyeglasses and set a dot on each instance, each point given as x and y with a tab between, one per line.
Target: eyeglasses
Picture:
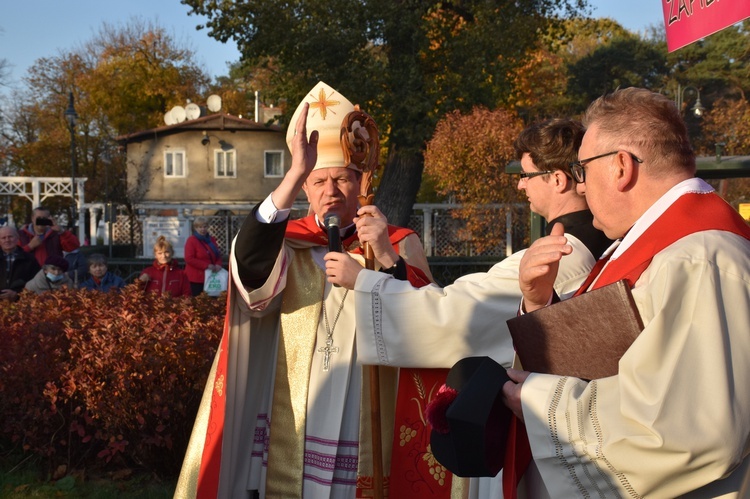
579	172
534	174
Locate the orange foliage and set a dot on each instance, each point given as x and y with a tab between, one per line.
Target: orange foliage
467	157
92	379
542	76
729	122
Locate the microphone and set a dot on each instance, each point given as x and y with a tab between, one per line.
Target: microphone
333	226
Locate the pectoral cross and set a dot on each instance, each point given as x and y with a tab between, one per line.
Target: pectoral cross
327	351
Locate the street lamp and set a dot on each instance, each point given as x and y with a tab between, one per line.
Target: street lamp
697	108
72	117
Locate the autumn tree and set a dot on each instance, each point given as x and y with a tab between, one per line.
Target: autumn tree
727	126
406	63
138	71
542	83
466	158
123	80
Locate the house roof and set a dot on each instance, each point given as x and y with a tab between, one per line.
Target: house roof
211	122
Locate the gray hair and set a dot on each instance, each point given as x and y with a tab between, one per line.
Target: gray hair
647	121
11	229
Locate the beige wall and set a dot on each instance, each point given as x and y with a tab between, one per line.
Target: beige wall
147	182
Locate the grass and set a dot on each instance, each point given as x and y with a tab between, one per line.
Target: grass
21	478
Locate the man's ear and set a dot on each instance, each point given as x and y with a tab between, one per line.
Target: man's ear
626	171
562	182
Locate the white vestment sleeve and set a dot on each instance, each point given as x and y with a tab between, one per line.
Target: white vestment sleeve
433	327
258	300
676	418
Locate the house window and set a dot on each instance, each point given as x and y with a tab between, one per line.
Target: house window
225	163
174	164
274	164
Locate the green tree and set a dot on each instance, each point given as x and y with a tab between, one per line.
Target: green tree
719	66
572	56
628	60
405	62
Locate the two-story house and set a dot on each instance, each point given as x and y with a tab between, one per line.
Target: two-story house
213	165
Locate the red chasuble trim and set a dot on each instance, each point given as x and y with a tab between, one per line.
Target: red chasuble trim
415	473
208	476
690	214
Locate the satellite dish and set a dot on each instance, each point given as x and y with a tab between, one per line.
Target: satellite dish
214	103
178	113
192	111
168	118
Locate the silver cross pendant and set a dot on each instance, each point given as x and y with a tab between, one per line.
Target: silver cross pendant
327	351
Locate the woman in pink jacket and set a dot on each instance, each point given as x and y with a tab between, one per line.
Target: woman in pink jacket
201	253
164	276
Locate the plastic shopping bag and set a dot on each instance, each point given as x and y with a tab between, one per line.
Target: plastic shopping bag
215	282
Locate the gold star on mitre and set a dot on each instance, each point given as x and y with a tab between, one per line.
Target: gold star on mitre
325	108
322	103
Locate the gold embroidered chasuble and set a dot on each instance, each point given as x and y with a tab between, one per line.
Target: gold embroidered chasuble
300	313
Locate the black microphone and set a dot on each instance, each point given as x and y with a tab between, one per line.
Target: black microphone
333	226
333	223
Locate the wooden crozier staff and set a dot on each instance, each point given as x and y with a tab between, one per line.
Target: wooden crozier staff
359	135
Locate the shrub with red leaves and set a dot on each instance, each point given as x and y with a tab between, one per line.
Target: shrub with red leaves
105	379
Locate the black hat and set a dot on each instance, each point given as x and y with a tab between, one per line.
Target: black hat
469	437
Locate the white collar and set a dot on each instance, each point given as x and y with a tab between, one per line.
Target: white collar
689	186
342	230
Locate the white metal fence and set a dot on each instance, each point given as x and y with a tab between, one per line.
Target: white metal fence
440	232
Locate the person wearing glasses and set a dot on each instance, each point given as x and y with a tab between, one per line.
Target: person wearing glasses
467	318
675	419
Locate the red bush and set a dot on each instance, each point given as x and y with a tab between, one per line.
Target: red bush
89	378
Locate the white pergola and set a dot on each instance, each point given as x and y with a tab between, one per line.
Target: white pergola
38	189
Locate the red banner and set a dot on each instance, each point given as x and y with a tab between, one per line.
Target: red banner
690	20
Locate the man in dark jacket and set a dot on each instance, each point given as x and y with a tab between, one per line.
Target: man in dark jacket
17	266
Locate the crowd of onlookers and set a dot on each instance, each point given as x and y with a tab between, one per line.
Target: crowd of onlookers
42	257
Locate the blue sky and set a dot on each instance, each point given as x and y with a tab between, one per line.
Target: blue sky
31	29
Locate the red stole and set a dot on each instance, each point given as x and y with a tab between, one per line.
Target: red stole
307	230
689	214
